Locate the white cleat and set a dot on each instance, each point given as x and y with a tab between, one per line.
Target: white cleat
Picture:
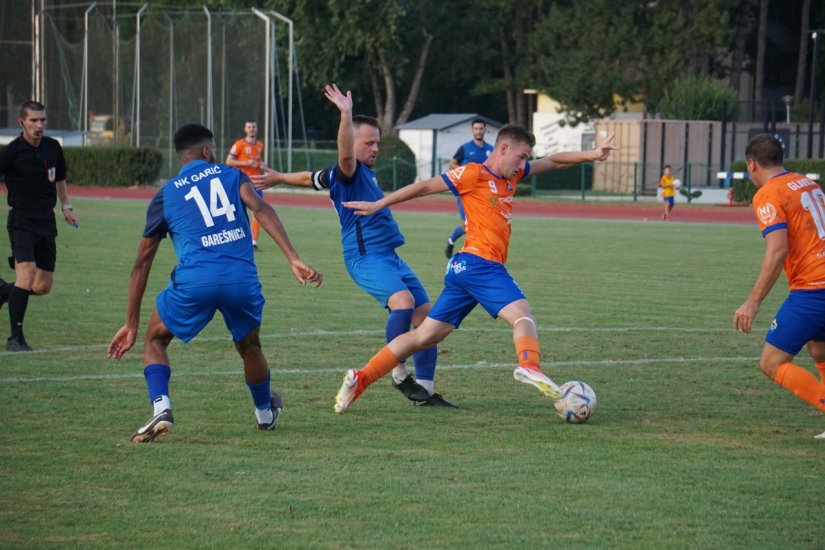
349	392
820	436
539	380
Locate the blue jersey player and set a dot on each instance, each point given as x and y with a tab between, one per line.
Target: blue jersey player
203	209
476	150
369	243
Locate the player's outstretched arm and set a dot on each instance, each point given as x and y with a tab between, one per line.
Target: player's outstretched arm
775	252
569	158
347	161
271	178
412	191
124	338
269	220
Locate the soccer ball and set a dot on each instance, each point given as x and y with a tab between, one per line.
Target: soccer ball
577	402
677	184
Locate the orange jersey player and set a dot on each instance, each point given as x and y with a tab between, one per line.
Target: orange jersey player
668	191
790	210
246	155
475	275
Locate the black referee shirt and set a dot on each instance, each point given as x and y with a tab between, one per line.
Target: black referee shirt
31	173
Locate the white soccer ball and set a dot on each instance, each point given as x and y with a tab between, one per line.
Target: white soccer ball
577	402
677	184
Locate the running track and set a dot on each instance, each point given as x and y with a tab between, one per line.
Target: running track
444	203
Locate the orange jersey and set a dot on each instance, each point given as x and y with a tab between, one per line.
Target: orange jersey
668	189
488	206
242	151
793	202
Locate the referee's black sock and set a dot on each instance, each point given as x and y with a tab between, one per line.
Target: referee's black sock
18	302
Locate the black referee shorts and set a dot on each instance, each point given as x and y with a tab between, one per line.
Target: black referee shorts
33	240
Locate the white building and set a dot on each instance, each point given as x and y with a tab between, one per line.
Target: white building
435	138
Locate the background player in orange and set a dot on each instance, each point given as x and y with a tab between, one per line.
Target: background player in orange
790	210
476	274
246	155
668	191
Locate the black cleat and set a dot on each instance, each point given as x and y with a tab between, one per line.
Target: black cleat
17	344
157	425
411	389
448	251
275	406
255	247
436	400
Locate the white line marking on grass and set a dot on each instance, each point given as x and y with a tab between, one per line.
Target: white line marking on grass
277	372
366	332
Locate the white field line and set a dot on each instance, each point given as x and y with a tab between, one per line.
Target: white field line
277	372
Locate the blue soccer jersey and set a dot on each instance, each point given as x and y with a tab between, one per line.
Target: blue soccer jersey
362	234
202	210
470	152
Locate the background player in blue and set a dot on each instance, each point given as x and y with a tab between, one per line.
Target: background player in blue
202	209
369	243
476	150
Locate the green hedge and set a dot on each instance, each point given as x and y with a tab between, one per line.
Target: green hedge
393	147
112	166
743	190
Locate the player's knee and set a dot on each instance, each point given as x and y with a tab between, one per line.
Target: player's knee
41	289
768	367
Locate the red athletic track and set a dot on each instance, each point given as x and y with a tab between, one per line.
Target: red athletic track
523	207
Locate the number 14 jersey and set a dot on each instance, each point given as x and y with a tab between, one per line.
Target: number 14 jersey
793	202
202	210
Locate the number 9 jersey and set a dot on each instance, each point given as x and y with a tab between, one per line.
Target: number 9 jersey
793	202
202	210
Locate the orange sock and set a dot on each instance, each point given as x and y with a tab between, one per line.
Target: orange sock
380	364
802	384
256	229
821	368
527	349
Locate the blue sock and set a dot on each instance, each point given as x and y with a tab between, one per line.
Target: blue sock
398	322
260	393
457	232
157	380
425	363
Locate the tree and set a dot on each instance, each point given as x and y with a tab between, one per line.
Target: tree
801	61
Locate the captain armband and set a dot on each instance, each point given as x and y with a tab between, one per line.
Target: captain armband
320	180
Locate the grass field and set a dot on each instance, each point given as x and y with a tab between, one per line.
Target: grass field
691	445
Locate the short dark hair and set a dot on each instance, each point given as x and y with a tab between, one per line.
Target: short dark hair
478	121
517	133
667	166
251	121
358	120
192	135
766	150
31	106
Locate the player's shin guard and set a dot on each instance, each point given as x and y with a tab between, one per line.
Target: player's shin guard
528	351
801	383
380	364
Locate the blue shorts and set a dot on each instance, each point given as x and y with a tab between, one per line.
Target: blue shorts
800	319
382	274
669	200
186	312
472	280
461	209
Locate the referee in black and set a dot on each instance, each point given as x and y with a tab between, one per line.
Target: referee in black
35	174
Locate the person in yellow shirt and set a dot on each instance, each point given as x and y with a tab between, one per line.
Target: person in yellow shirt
668	191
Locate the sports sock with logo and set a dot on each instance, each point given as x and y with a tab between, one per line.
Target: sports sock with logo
18	303
157	381
801	383
260	393
379	365
527	349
